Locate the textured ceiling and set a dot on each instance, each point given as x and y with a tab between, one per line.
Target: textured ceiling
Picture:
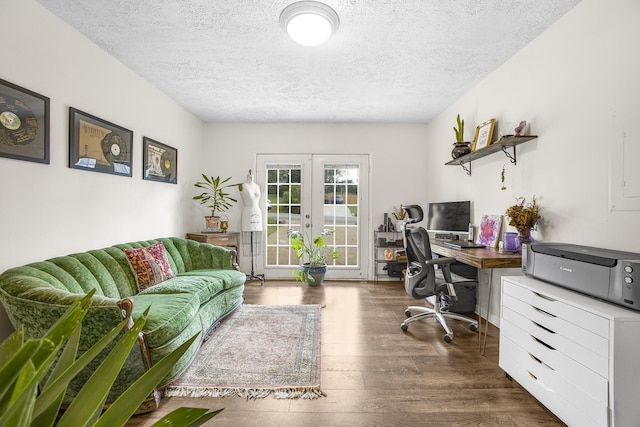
391	61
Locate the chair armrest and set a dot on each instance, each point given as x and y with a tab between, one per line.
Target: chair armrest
441	261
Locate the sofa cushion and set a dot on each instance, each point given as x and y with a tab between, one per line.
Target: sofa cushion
230	278
204	287
150	265
168	315
204	283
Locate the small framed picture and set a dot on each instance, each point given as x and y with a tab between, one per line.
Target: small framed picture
484	133
24	124
489	231
159	161
98	145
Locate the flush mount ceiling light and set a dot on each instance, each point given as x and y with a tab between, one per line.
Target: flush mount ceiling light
309	23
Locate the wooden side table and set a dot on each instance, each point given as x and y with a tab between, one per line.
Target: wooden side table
229	240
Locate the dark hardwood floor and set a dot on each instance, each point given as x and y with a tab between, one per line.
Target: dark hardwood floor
374	374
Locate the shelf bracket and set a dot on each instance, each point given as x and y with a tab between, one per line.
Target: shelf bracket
467	170
506	153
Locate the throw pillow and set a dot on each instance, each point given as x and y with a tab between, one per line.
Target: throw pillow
150	265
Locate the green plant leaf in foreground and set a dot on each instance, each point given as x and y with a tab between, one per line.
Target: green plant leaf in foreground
186	417
127	403
54	386
47	417
23	365
90	399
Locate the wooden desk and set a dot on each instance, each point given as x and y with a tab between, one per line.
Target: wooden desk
478	257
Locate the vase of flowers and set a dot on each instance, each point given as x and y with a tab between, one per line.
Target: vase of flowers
523	216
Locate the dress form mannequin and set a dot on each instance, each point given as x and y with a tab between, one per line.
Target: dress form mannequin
251	219
251	214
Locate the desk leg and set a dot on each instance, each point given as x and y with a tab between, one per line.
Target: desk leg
482	341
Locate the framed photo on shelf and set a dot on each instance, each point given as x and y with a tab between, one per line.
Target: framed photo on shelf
24	124
484	133
489	231
98	145
159	161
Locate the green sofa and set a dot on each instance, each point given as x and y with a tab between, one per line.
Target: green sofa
207	286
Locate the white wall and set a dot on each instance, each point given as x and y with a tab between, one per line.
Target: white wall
571	83
398	157
51	210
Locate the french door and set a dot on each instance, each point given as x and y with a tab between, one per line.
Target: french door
310	193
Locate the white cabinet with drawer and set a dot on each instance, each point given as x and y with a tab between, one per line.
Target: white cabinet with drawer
577	355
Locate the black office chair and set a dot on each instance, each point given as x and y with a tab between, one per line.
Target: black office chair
424	282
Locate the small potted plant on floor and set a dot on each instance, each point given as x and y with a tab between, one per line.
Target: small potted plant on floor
216	198
313	253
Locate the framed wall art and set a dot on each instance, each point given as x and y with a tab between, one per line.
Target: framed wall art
98	145
24	124
159	161
484	133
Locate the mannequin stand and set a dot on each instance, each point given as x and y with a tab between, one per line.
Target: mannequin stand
253	275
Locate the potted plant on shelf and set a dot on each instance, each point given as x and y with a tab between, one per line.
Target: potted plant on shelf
460	147
523	216
216	198
314	254
400	215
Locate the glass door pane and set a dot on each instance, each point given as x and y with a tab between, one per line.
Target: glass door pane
311	193
340	211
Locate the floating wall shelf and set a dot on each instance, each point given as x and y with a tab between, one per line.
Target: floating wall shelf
501	145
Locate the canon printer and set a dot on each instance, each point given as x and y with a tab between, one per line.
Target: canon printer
609	275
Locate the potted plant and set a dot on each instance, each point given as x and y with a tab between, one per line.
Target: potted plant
215	197
400	215
460	147
523	216
313	253
35	399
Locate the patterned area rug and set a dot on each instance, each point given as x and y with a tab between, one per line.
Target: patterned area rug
258	351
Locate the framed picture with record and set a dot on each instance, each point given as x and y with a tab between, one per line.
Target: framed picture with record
24	124
159	161
98	145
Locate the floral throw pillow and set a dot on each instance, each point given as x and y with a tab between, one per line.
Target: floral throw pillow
150	265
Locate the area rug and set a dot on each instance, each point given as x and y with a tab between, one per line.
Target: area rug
258	351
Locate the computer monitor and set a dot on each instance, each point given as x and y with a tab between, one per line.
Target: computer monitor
448	216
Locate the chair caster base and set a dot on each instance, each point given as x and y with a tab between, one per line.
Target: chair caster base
448	338
404	327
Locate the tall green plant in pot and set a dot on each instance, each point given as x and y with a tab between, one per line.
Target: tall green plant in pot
216	197
314	254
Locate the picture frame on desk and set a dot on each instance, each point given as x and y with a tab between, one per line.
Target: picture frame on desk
489	231
484	135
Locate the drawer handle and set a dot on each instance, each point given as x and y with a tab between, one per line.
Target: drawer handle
542	342
540	362
543	385
543	296
543	327
546	313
